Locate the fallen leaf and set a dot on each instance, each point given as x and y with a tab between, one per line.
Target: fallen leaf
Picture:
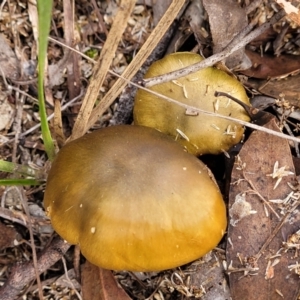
100	284
270	66
8	236
260	265
226	19
209	278
289	88
9	64
6	112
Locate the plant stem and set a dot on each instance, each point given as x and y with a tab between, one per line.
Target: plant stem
45	13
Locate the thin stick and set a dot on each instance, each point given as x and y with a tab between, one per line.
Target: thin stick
275	231
68	278
255	190
151	42
188	107
198	110
22	273
34	256
235	45
106	56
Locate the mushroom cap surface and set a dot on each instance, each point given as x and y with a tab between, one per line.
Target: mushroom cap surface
200	134
134	199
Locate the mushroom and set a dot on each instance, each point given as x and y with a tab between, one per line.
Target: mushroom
134	199
198	132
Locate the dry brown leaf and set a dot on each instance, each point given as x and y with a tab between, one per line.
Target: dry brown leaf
226	20
288	88
9	65
6	112
267	66
260	264
209	278
8	236
33	17
100	284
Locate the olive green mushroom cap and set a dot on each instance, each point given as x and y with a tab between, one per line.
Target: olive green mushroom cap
199	133
134	199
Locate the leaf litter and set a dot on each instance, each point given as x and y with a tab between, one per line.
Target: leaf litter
274	210
258	239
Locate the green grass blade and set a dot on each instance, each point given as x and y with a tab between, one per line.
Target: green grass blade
10	167
45	13
25	181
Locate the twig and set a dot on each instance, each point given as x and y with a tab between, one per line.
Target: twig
23	273
17	126
64	107
33	128
20	218
296	145
275	231
253	5
235	45
68	278
100	18
198	110
20	190
124	109
255	190
187	107
138	61
100	70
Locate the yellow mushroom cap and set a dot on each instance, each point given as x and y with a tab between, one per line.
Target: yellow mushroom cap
134	199
200	134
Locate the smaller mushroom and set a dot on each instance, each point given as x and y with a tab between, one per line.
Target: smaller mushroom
198	132
134	199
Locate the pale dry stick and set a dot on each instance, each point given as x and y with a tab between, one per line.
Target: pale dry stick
275	231
33	128
107	54
8	214
255	190
68	278
151	297
64	107
22	196
193	109
124	80
235	45
1	6
147	48
296	145
253	5
23	273
20	218
17	125
100	18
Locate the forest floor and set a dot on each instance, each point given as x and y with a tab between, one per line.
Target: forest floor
267	64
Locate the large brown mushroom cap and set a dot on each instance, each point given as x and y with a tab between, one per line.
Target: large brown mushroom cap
200	134
133	199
